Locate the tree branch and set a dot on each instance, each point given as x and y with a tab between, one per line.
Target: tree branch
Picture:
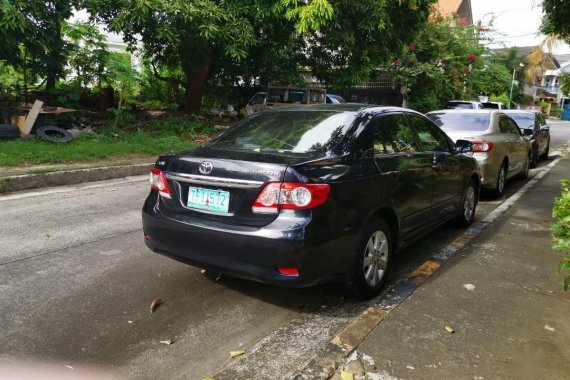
158	76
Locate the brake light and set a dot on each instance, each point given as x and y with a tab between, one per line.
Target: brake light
294	272
293	196
482	146
158	182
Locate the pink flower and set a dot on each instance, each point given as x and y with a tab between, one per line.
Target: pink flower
463	21
396	62
467	71
412	47
471	57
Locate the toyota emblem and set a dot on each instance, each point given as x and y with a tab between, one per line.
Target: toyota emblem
206	167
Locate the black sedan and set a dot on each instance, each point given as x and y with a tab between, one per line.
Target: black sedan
303	195
533	125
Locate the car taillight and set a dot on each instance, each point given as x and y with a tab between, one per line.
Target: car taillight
158	182
482	146
294	196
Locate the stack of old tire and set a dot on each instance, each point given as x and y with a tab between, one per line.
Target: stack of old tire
9	131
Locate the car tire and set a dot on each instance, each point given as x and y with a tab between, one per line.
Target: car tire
54	134
372	259
534	157
468	206
526	168
544	155
9	131
499	189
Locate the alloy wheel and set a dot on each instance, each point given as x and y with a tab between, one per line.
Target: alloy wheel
375	258
469	203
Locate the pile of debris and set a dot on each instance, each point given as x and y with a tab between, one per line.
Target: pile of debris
23	126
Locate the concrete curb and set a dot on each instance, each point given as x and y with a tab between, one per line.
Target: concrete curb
327	361
70	177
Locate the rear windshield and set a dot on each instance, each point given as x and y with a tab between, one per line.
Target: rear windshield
461	121
460	105
287	132
524	120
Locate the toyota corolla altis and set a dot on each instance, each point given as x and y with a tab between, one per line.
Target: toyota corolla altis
298	196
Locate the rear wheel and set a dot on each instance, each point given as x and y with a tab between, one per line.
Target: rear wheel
526	168
534	157
501	180
467	212
544	155
372	259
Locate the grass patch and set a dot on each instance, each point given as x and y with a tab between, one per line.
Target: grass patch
152	139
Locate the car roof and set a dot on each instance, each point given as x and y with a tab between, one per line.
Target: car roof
468	111
520	111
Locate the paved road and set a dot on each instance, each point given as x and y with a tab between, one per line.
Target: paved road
76	282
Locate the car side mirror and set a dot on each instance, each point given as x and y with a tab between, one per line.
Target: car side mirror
528	132
463	146
545	128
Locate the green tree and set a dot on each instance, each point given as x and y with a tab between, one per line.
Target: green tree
88	54
31	35
565	84
361	36
341	40
491	79
556	18
439	64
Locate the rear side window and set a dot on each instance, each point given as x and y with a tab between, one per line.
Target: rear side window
432	138
507	125
393	135
459	121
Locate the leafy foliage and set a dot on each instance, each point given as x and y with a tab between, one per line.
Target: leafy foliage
556	19
437	66
31	35
561	229
88	54
565	84
361	36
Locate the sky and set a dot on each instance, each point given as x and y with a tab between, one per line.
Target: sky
515	22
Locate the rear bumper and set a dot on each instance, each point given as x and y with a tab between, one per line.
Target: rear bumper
489	168
252	253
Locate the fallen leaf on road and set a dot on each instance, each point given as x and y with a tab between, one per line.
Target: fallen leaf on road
234	354
208	378
549	328
167	342
68	366
346	376
203	271
449	329
154	305
113	189
48	235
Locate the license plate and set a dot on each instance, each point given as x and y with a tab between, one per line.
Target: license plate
210	200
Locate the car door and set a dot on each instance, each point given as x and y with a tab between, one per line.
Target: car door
519	144
447	176
542	133
514	142
397	151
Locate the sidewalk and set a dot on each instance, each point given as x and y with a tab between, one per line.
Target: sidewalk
500	295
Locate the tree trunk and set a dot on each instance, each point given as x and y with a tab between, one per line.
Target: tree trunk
196	80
